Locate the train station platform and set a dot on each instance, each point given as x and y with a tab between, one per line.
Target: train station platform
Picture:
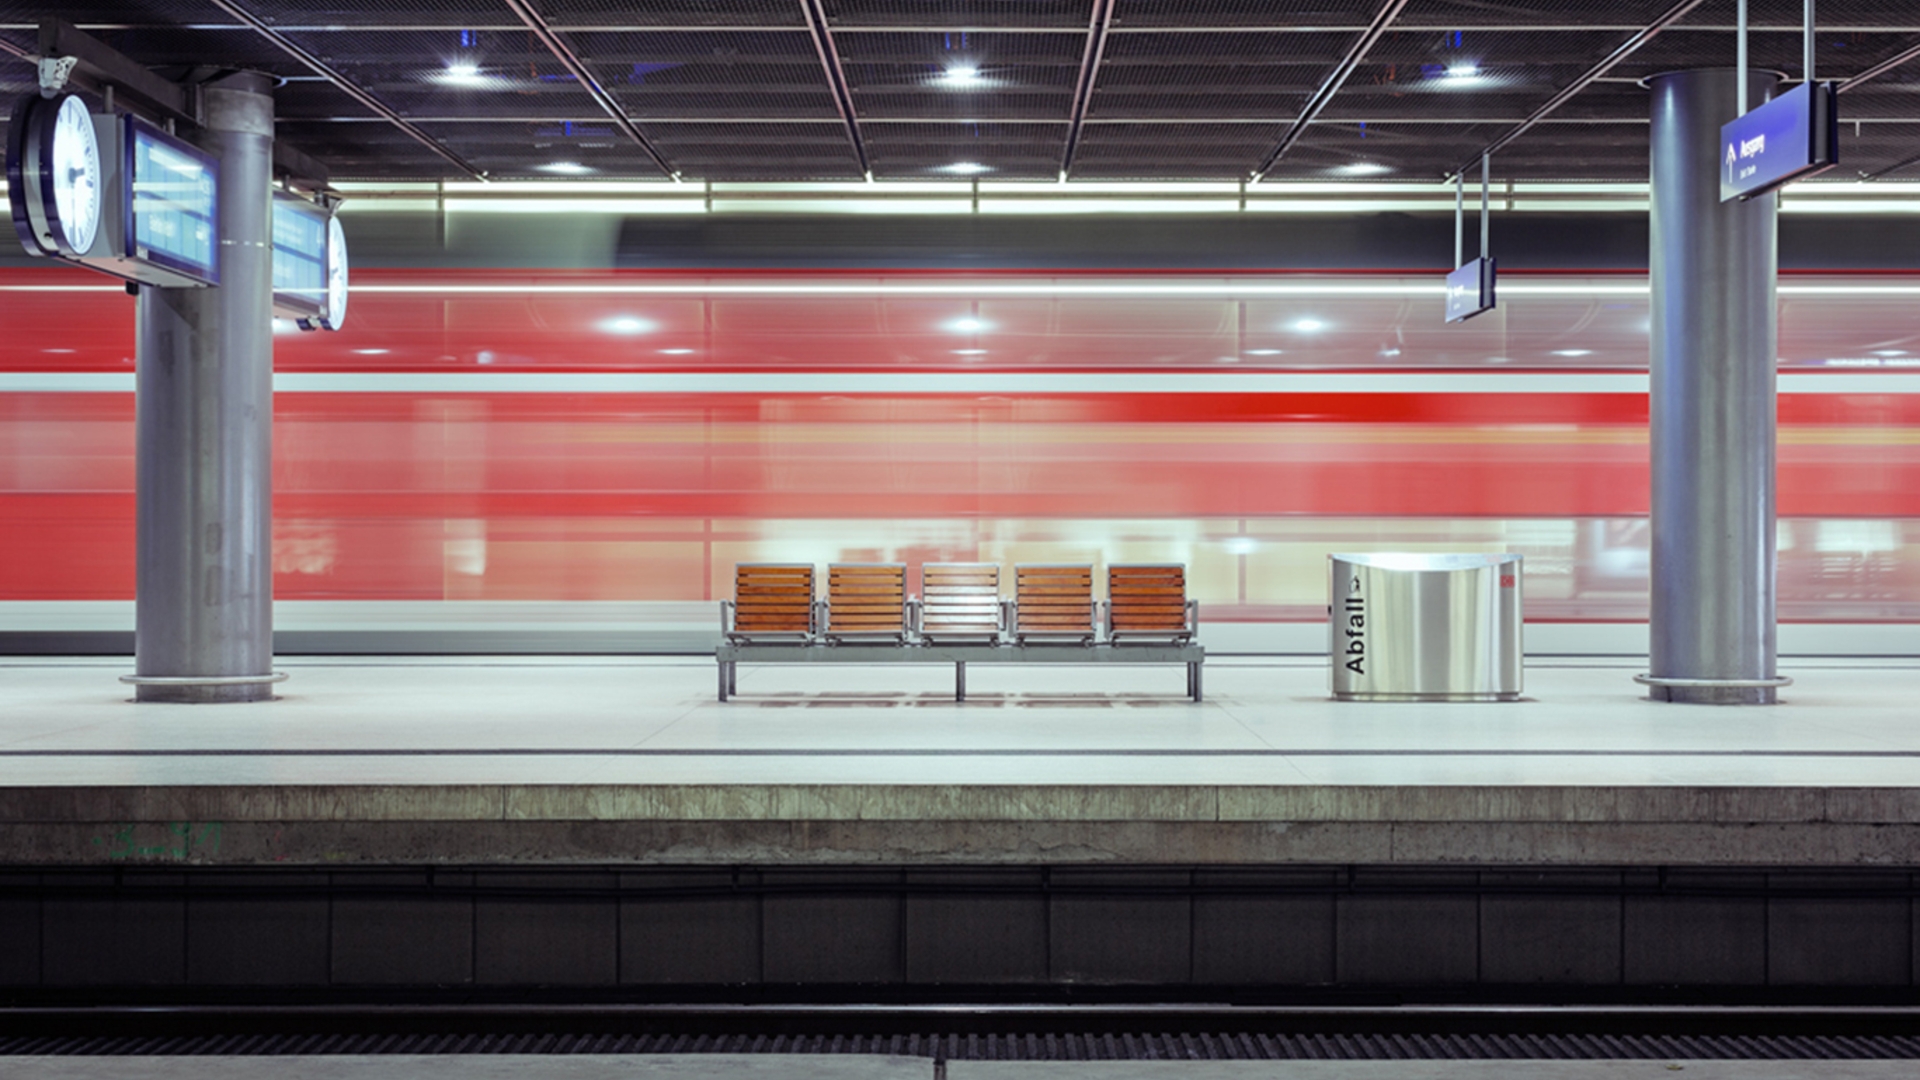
542	761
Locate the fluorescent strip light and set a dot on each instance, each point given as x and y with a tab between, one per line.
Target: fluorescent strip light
947	206
577	206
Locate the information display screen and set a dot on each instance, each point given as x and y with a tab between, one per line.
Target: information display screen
174	210
299	258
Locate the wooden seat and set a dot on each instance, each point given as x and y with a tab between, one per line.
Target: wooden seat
867	600
1148	602
771	602
960	601
1053	603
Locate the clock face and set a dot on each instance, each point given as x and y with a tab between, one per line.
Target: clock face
336	315
70	172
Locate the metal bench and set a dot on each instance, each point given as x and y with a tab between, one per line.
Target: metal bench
958	619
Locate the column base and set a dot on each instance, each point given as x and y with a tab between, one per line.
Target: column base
207	690
1713	691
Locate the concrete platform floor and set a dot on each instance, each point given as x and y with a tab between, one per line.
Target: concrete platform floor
884	755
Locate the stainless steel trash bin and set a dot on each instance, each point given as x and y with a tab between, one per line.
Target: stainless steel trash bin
1424	627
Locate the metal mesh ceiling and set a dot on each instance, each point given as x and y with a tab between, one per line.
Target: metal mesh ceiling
1182	89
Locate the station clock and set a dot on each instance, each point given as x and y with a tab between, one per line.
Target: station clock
55	178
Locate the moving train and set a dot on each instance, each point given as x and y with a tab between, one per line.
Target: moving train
574	458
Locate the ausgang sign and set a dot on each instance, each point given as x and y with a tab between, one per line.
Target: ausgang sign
1793	136
1470	290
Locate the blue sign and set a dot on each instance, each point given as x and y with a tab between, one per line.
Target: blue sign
1793	136
299	258
174	207
1470	290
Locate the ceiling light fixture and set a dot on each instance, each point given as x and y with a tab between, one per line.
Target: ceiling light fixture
966	168
1573	352
967	324
676	352
1307	326
626	324
965	77
462	73
1362	168
565	168
1467	70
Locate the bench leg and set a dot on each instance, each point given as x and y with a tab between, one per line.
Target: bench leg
959	680
733	677
1193	680
723	680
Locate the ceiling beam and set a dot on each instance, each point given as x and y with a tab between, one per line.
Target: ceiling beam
1090	58
1880	68
347	86
105	66
1621	52
1330	86
836	80
564	53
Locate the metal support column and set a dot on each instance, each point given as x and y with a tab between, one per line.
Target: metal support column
959	680
1713	268
204	380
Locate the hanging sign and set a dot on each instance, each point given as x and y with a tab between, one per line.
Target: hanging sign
1470	290
299	258
174	205
1794	136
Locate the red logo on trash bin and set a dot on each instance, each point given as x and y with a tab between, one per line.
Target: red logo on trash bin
1506	581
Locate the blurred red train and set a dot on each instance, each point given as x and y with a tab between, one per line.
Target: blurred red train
546	450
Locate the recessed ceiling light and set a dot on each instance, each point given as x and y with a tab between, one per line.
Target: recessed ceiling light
675	352
1389	352
1266	352
371	352
1573	352
626	324
1361	168
1466	70
1226	359
966	168
962	76
969	352
462	73
564	168
1307	326
967	324
57	351
1889	352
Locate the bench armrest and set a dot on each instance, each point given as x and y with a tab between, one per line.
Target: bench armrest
726	616
1193	617
916	615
